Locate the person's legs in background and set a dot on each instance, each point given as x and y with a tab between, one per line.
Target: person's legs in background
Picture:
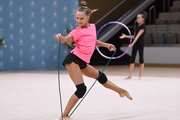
132	61
141	60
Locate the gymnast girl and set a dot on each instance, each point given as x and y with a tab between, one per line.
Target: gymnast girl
137	44
76	62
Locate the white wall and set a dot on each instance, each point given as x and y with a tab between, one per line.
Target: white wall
159	55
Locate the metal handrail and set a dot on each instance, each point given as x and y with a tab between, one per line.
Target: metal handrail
150	9
168	4
110	11
164	5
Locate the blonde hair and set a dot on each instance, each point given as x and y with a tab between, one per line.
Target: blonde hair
84	8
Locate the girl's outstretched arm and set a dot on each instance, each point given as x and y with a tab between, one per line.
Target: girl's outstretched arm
126	36
111	47
63	39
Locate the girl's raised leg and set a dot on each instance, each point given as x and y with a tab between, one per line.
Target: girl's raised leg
93	73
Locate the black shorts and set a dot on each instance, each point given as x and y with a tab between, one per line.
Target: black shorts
73	58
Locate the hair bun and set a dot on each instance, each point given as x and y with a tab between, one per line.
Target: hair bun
83	3
145	14
84	8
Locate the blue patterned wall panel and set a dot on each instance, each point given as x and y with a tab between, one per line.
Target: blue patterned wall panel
28	27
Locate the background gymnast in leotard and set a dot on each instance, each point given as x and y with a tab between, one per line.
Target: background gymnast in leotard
138	44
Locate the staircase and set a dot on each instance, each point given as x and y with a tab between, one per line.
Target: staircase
123	11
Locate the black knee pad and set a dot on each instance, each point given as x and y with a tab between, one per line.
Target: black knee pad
102	79
81	90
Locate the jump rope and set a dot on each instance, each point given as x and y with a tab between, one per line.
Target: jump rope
110	58
59	82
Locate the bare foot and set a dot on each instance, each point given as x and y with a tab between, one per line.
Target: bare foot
124	93
66	118
139	78
128	78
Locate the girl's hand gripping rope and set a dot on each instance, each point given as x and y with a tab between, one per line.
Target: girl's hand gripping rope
59	37
111	47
